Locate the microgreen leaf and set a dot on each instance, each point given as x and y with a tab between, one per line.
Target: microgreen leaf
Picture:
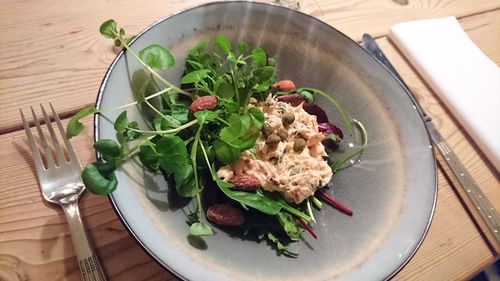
74	126
98	183
223	44
205	116
201	229
108	29
259	58
157	57
195	76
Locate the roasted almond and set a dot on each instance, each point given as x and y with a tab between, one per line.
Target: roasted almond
245	182
225	215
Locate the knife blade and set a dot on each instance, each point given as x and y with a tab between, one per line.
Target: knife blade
483	212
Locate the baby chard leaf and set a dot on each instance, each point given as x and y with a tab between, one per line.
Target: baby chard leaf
157	57
98	183
74	126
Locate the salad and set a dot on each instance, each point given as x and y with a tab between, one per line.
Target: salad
254	153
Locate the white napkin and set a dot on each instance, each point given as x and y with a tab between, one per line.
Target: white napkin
465	79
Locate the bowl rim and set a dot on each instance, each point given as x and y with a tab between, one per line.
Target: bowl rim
104	81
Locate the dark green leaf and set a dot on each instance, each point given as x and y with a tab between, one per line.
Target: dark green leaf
117	42
224	152
223	44
256	200
74	126
108	147
149	157
106	168
185	184
121	122
195	76
122	32
156	56
173	153
108	29
201	229
98	183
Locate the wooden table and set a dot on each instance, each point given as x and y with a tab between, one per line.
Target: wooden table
51	50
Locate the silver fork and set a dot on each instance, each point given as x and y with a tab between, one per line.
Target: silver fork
61	183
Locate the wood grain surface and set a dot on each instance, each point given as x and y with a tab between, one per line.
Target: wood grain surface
56	54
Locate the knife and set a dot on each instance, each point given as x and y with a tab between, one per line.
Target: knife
485	215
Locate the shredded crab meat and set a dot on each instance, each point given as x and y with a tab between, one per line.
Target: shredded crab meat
297	175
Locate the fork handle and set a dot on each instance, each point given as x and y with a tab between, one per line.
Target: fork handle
90	267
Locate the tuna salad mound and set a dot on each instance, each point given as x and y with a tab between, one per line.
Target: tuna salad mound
288	156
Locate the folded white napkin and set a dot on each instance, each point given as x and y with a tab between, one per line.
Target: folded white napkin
465	79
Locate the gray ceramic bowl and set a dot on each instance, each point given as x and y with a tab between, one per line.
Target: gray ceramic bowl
392	191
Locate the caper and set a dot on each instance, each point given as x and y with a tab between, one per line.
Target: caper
287	118
283	134
299	144
273	140
267	130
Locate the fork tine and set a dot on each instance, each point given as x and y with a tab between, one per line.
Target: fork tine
45	147
60	158
69	147
34	150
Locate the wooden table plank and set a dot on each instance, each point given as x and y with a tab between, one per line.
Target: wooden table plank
57	54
